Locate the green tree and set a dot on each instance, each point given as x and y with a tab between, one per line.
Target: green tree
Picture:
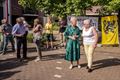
67	7
108	6
58	7
113	6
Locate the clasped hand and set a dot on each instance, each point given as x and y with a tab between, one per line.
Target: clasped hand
74	37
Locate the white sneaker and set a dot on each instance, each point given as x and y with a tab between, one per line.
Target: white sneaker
71	66
37	59
79	66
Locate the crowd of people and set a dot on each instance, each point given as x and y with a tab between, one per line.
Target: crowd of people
70	37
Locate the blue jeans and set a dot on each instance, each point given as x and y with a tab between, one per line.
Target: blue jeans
8	38
2	41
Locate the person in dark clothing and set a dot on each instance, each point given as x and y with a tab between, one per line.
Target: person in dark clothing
7	33
62	24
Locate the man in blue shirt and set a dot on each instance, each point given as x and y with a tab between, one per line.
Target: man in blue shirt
19	31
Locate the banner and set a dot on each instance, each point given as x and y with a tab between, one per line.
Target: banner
80	19
110	30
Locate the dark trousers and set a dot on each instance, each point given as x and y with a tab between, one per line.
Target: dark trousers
21	41
38	47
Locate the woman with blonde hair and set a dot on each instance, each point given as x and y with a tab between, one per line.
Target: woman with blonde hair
49	32
37	33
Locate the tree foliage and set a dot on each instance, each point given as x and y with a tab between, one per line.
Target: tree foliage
58	7
108	6
113	6
67	7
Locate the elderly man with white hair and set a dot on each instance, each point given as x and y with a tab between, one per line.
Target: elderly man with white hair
90	39
72	35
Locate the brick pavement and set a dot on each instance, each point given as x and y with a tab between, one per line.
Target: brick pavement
54	67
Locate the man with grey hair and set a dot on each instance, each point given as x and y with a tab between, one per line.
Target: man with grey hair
72	35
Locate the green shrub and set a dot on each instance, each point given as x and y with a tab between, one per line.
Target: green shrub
55	27
30	37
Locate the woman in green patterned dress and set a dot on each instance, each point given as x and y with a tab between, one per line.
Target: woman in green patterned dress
72	35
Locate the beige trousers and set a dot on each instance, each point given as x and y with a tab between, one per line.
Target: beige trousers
89	50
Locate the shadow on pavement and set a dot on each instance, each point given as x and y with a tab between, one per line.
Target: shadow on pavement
107	52
33	49
104	63
53	57
11	63
7	74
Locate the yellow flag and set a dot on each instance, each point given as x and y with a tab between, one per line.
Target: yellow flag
110	30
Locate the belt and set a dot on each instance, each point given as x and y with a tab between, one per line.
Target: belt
20	37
